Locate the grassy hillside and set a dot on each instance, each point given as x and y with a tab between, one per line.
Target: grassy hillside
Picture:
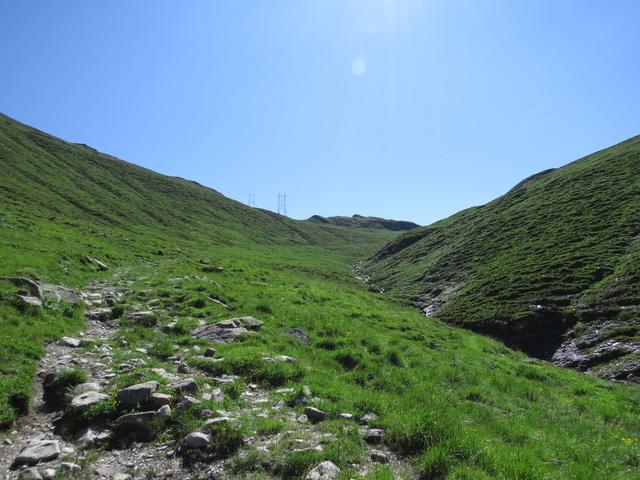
453	404
554	261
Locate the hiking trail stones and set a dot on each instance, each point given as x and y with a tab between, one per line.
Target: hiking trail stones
39	451
139	393
85	401
226	331
325	471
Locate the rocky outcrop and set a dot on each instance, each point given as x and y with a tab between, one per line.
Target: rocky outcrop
227	331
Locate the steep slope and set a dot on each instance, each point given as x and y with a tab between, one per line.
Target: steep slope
50	185
365	222
552	267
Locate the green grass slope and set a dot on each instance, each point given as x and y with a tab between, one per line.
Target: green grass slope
453	404
552	267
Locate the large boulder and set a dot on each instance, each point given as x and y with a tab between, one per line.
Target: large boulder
60	294
31	286
40	451
136	394
226	331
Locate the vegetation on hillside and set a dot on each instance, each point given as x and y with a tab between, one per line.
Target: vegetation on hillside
452	404
558	253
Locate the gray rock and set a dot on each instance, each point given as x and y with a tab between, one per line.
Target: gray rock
86	400
158	400
97	263
314	414
164	413
88	387
135	394
216	421
164	374
345	416
325	471
60	294
374	435
30	474
102	314
70	342
379	456
49	473
302	419
187	402
92	436
32	286
121	476
298	334
25	301
144	316
286	359
197	440
41	451
226	331
70	467
368	418
186	385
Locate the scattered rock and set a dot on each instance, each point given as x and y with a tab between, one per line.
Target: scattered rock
197	440
30	474
41	451
379	456
146	317
97	263
70	467
226	331
164	413
368	418
158	400
325	471
186	385
314	414
186	402
70	342
88	387
345	416
92	436
302	419
25	301
135	394
49	474
161	372
374	435
32	286
60	294
286	359
101	314
85	401
209	352
121	476
298	334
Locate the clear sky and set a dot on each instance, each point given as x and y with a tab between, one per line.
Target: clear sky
398	108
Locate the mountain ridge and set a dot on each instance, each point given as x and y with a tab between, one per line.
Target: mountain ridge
534	266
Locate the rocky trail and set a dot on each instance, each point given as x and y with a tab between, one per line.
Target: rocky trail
105	431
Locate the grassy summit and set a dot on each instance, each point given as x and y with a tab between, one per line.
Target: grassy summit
453	404
558	253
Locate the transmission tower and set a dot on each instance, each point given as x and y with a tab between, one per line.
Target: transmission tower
282	204
252	200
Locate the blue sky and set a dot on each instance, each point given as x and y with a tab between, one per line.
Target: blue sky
398	108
